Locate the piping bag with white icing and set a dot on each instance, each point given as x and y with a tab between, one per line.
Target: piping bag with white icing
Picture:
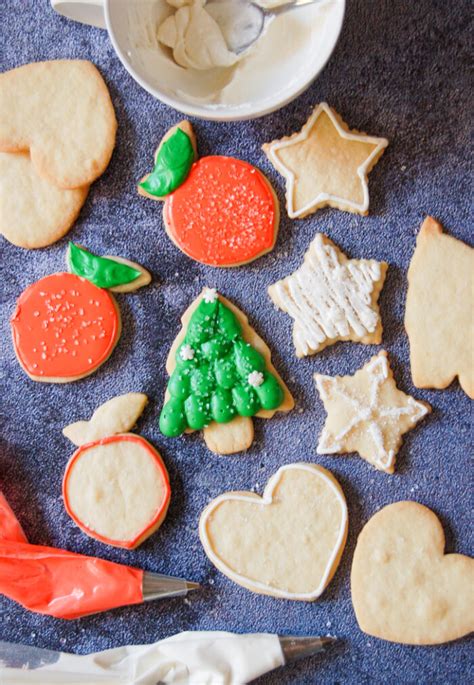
191	658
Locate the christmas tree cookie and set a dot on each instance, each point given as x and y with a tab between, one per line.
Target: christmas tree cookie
218	210
116	487
221	375
66	325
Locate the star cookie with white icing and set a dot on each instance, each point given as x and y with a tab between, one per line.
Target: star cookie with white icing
325	164
331	298
367	414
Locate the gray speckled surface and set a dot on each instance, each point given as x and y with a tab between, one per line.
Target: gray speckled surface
400	70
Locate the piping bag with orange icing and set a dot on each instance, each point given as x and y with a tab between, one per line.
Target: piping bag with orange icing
68	585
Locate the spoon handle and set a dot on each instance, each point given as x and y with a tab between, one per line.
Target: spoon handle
286	6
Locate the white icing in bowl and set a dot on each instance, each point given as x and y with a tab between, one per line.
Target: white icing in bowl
278	68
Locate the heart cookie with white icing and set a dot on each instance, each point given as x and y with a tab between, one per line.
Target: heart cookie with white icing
404	588
287	543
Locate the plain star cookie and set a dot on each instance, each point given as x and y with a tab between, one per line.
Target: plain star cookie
404	588
116	487
367	414
66	325
33	211
61	112
439	315
287	543
218	210
331	298
325	164
221	375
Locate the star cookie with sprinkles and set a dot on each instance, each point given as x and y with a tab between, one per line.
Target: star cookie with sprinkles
220	211
331	298
367	413
325	164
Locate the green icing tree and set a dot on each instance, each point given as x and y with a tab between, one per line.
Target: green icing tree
218	375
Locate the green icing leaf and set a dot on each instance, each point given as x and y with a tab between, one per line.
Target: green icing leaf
227	323
270	393
197	412
225	372
101	271
245	400
172	166
202	381
247	359
179	385
173	419
222	406
203	323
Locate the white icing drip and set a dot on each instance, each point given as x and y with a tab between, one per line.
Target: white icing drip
328	299
265	500
379	143
373	414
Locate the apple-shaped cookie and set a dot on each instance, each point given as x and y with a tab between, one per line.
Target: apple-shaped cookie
66	325
287	543
116	486
218	210
404	588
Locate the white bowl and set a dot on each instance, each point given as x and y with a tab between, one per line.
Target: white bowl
289	57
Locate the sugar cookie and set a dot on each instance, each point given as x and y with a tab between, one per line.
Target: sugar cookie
66	325
61	112
218	210
287	543
439	315
404	588
116	486
331	298
33	211
367	413
221	375
325	164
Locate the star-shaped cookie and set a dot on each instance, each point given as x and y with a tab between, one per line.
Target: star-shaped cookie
366	413
331	298
325	164
439	315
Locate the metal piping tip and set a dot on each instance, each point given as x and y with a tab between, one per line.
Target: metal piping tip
295	648
192	586
157	586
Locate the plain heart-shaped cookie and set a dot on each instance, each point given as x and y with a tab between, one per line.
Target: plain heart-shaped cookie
33	211
404	588
61	112
287	543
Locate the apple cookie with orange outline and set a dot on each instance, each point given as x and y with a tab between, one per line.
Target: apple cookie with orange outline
116	487
220	211
66	325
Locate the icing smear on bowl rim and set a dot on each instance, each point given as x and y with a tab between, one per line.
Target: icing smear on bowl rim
282	64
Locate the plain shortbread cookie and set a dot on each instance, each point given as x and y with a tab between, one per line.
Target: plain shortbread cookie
404	588
62	113
33	211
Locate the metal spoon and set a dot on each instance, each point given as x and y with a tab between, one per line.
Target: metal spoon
242	22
